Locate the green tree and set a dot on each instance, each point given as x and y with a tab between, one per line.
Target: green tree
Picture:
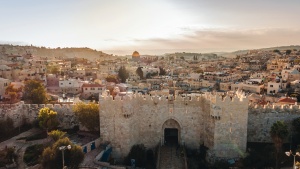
52	156
10	155
112	78
139	72
34	92
123	74
88	115
162	71
199	70
296	124
47	119
56	134
288	51
13	92
259	157
296	130
53	69
279	131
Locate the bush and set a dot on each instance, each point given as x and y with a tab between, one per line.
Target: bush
260	156
6	156
6	126
137	152
196	158
52	156
32	154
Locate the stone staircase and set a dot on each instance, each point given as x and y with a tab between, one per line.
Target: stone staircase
169	159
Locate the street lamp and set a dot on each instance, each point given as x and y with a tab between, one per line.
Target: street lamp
63	148
289	153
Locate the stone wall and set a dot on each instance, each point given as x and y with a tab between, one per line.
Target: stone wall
207	119
262	118
230	134
21	112
140	120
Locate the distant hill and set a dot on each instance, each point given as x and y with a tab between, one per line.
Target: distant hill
54	53
239	52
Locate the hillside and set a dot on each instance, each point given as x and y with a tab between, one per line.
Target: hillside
233	54
54	53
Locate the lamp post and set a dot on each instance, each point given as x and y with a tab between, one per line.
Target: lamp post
289	153
63	148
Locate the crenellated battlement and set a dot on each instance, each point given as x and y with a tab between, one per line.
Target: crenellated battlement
29	112
156	99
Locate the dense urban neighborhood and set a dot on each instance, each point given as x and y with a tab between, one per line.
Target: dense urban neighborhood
177	110
267	76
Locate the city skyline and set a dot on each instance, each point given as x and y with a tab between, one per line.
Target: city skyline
151	27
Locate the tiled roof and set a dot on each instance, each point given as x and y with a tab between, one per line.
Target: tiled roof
287	100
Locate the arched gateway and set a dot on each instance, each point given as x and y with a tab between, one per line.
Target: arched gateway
171	132
208	119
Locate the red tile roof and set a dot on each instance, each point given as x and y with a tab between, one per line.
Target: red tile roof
287	100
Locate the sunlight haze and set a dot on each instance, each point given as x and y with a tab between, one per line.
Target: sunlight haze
152	27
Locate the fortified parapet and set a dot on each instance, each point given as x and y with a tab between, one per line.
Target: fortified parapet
207	118
230	114
20	113
262	117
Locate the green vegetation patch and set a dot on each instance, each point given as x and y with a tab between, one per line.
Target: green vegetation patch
32	154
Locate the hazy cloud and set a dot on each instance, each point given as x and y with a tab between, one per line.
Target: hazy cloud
212	40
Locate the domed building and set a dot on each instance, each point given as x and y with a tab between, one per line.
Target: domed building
136	56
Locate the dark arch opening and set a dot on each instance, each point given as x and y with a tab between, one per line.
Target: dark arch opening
171	136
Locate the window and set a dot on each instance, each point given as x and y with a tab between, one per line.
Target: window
70	83
85	88
271	85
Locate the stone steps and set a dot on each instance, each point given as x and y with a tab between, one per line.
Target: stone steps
169	159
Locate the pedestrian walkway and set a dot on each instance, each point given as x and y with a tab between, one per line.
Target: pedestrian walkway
13	141
169	159
89	159
20	146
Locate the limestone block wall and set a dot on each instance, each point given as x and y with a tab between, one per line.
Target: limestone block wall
116	123
230	134
21	112
140	119
262	118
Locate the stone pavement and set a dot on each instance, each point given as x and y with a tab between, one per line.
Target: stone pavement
14	142
89	157
169	159
20	146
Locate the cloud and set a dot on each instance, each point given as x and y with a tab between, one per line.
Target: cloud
224	39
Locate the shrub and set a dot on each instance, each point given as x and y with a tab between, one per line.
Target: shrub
32	154
52	156
137	152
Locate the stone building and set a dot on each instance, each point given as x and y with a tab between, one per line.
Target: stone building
218	123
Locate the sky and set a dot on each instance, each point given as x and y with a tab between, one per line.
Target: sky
151	26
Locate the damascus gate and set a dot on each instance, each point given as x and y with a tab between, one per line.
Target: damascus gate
220	123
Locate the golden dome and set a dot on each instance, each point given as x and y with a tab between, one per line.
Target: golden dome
135	54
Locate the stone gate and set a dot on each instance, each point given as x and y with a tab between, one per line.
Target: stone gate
217	122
